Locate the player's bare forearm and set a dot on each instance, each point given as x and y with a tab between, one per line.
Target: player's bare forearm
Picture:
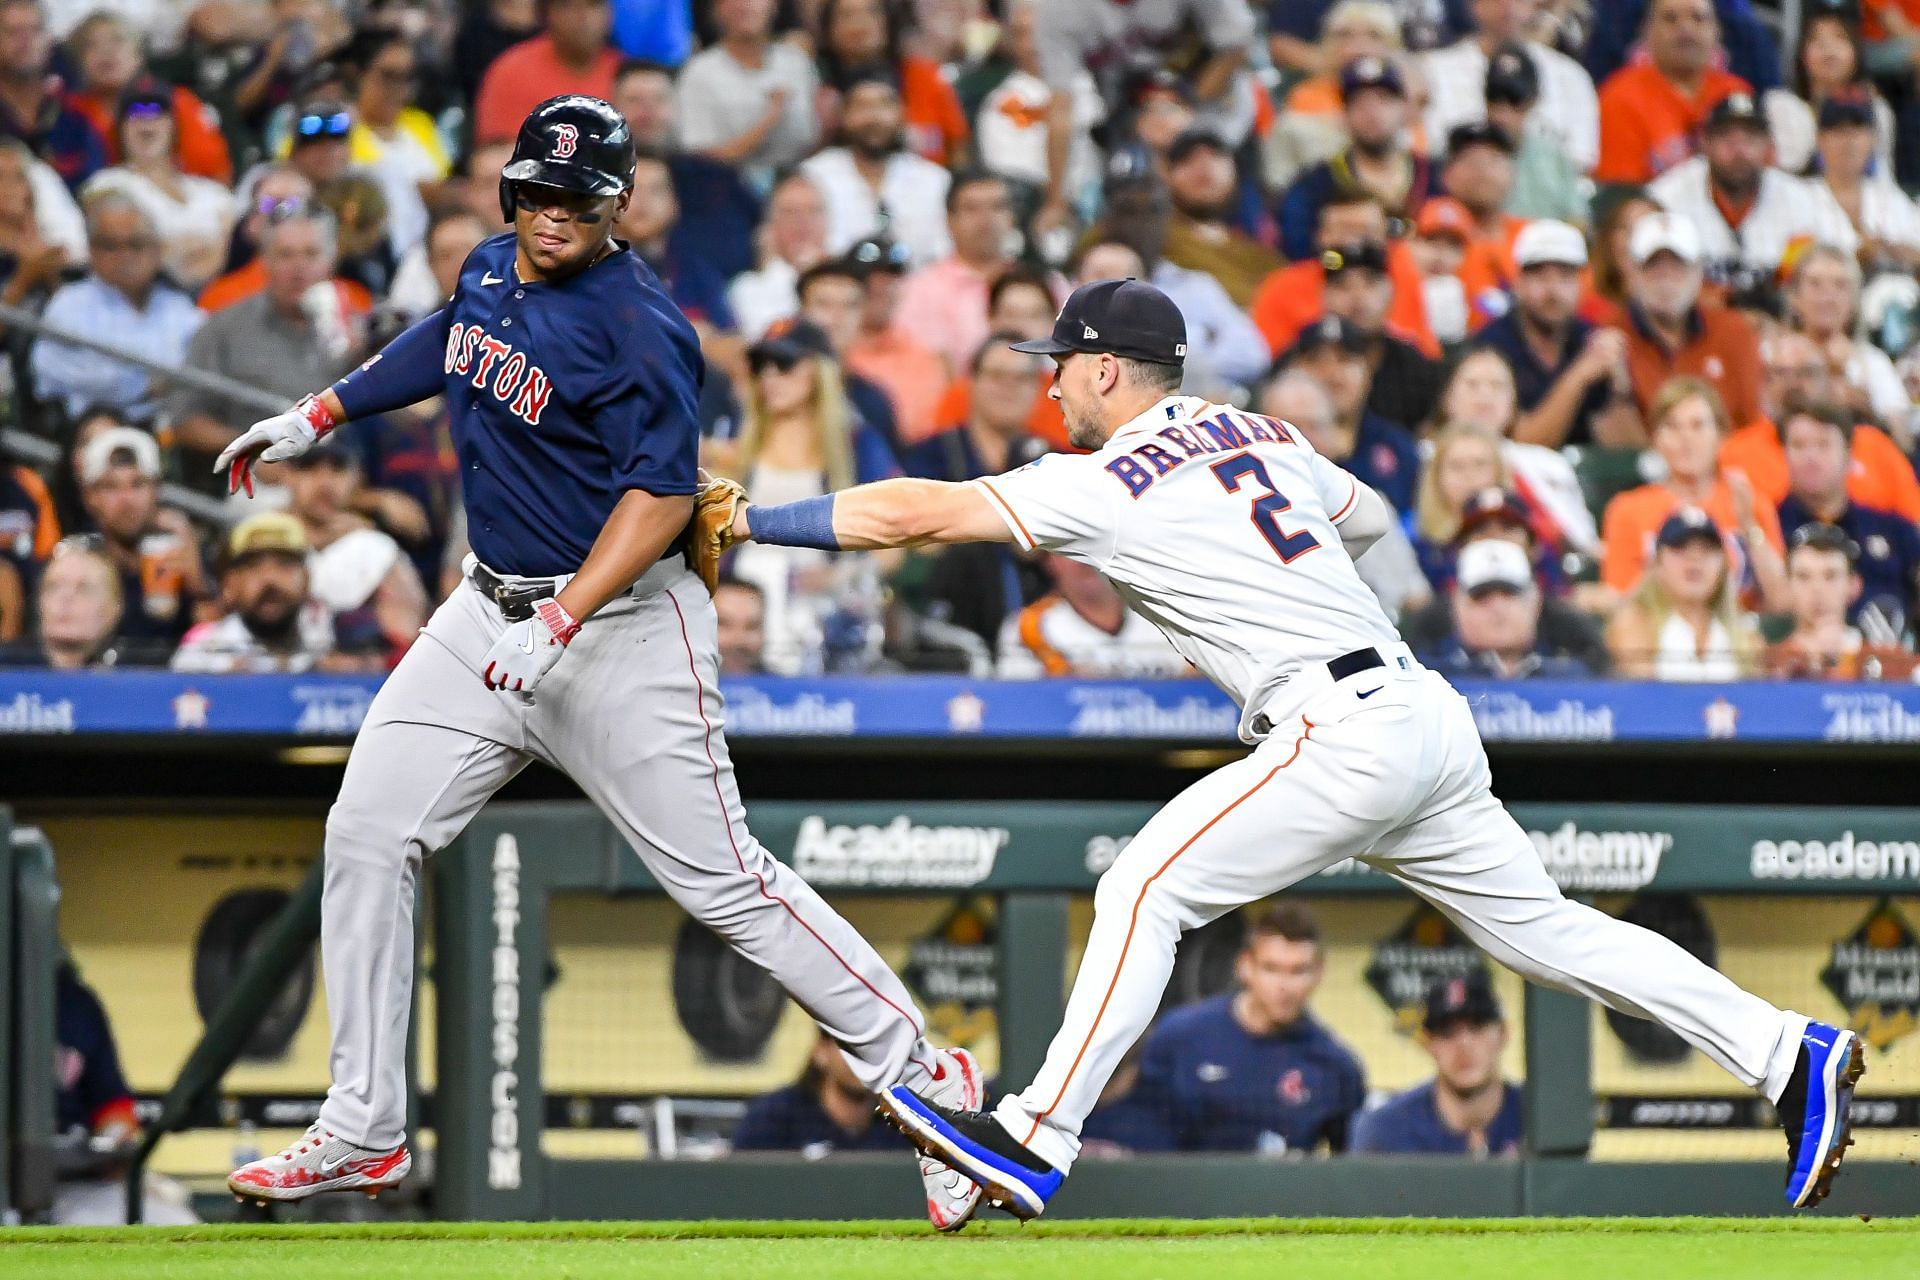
636	535
881	515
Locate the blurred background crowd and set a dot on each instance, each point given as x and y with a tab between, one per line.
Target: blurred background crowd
1615	302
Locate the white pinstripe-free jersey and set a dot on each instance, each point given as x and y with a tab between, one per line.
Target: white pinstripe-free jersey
1217	526
1786	209
1568	110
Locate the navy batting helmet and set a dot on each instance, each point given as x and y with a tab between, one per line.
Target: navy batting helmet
573	142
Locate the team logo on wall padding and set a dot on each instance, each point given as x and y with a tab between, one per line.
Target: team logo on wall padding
951	972
1424	950
1875	972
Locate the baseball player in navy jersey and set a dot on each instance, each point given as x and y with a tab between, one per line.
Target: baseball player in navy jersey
579	637
1228	531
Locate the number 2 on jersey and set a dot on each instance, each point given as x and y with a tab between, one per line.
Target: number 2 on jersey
1288	546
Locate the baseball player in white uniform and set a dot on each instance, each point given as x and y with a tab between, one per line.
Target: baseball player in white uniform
1236	539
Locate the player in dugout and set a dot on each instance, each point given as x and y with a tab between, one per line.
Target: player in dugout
1466	1109
1254	1070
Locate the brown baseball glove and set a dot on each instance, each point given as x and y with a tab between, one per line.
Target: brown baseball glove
713	512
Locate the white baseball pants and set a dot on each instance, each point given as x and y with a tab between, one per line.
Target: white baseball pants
632	714
1398	778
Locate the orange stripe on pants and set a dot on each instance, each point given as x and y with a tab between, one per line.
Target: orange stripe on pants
1133	922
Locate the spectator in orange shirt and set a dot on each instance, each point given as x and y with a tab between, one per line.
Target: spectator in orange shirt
1441	237
1294	297
1651	113
1688	421
855	33
1670	334
1797	376
110	63
1020	302
571	56
912	375
1479	174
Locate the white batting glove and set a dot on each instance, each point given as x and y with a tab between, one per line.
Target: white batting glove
527	650
284	435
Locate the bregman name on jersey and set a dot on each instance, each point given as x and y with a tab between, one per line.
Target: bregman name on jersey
1218	434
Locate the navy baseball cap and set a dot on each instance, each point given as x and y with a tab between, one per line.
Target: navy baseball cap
1371	72
1489	505
1128	318
1478	133
1736	110
1191	140
1848	107
1688	524
1329	331
1511	75
1467	998
1361	255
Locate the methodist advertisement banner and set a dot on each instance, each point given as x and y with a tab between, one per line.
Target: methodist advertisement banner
43	704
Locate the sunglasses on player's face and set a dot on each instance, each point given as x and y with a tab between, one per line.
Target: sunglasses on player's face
576	206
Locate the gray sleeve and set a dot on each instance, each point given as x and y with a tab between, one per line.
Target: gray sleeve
1062	35
1226	24
203	353
699	107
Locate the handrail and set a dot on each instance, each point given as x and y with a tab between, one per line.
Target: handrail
283	947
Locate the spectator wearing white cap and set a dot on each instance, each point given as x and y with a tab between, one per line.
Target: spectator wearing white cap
1496	632
154	548
1747	212
1571	376
1670	334
1456	75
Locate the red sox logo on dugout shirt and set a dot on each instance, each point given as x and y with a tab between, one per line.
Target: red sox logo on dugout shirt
515	381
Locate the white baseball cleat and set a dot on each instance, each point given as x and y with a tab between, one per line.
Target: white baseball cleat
320	1162
952	1197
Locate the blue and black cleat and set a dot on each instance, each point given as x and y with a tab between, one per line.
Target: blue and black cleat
1014	1178
1814	1110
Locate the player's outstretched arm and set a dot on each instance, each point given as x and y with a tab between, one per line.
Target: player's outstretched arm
873	517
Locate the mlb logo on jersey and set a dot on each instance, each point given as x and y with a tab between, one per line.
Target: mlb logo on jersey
497	367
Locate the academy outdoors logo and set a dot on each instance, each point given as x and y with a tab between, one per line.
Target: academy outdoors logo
565	138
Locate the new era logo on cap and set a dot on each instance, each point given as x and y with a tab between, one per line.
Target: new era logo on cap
1128	318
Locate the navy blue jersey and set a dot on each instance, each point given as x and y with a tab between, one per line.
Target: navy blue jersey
792	1119
562	397
88	1081
1409	1124
1222	1088
1889	555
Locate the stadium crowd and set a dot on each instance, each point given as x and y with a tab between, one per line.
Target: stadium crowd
1615	302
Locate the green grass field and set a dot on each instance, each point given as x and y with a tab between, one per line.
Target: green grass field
1380	1249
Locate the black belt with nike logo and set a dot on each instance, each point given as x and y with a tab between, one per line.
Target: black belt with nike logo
1347	664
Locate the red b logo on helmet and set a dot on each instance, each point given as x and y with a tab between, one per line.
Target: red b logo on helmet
565	136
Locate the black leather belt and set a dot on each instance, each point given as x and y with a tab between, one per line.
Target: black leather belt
515	599
1352	664
1347	664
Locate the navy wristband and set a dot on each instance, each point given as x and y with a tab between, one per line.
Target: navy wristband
806	523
